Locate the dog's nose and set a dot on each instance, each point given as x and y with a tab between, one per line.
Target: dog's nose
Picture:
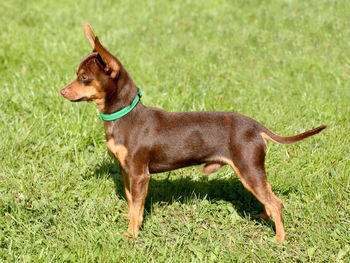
64	91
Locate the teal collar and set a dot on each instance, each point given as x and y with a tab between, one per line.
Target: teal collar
124	111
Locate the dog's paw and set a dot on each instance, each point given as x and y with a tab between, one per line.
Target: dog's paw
127	235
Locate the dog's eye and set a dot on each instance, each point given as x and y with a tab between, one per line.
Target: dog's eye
83	77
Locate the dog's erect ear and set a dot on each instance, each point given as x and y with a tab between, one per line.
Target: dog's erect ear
112	63
89	34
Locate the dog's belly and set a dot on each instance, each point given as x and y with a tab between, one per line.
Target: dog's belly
169	157
193	148
165	167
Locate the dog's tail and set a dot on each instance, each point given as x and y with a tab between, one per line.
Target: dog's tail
280	139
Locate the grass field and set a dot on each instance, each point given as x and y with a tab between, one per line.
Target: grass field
284	63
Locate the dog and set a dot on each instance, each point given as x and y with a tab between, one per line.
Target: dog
148	140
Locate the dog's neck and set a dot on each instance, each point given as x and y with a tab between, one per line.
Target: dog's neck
119	93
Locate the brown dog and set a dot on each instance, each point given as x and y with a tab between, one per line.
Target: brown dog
148	140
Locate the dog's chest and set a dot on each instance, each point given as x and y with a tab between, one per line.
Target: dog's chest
118	150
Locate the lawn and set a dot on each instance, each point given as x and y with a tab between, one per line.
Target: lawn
283	63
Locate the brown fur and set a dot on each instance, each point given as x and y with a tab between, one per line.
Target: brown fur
149	140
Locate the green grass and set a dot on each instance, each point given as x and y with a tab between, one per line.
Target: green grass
284	63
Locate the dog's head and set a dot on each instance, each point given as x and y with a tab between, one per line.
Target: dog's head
97	74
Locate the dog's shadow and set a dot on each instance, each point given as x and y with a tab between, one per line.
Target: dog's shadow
167	190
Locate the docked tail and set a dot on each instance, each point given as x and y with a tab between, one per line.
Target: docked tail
280	139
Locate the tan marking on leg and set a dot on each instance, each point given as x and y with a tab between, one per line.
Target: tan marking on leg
119	151
274	209
264	214
234	167
138	190
142	208
127	190
136	197
133	224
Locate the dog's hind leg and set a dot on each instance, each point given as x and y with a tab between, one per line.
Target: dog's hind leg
251	171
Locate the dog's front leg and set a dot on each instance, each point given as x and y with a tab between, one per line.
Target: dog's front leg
137	191
127	189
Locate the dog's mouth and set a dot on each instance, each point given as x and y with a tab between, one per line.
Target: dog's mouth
80	99
74	96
